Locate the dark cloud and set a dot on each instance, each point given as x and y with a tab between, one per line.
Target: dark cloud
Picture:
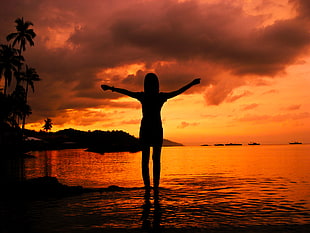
303	8
171	75
218	42
223	88
218	33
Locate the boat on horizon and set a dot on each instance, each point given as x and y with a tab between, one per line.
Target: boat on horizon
218	144
253	144
294	143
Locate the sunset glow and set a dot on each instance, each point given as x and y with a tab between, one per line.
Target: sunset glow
252	57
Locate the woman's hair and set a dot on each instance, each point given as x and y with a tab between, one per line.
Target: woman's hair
151	83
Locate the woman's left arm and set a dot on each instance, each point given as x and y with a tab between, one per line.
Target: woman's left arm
182	89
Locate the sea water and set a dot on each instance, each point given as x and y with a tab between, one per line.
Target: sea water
202	186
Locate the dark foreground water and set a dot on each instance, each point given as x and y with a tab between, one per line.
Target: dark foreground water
237	188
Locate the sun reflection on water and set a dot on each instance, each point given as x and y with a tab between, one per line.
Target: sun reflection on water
201	186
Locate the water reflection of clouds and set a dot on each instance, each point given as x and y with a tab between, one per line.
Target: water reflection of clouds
234	201
241	186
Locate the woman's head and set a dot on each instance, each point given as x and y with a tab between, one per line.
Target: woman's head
151	83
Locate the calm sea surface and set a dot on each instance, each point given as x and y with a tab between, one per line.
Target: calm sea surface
209	187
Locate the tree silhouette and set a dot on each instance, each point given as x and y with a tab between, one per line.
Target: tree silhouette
7	115
9	63
20	107
23	36
48	124
29	76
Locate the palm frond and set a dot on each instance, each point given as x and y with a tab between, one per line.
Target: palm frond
8	76
29	39
17	39
11	36
28	24
31	33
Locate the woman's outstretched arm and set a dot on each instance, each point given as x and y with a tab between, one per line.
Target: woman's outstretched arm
119	90
182	89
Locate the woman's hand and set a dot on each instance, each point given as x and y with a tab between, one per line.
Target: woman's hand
196	81
105	87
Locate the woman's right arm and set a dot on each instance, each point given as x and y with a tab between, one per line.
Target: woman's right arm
120	90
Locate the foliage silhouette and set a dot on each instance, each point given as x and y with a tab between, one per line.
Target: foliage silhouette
9	63
48	124
23	35
14	105
29	76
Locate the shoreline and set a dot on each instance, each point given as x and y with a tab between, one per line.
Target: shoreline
49	187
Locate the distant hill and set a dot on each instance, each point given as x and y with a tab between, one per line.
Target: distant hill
96	141
167	142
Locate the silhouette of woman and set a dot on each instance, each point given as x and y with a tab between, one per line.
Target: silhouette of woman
151	131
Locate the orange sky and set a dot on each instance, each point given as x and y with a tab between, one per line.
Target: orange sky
252	56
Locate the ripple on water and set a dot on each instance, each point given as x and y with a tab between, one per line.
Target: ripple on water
211	189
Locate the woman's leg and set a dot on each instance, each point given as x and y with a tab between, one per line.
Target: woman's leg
145	166
156	165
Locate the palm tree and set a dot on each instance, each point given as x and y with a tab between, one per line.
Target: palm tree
19	107
9	64
48	124
6	114
23	35
29	76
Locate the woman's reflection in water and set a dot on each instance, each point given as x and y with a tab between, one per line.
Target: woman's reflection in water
149	222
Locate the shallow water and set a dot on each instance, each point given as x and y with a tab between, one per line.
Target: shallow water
204	187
